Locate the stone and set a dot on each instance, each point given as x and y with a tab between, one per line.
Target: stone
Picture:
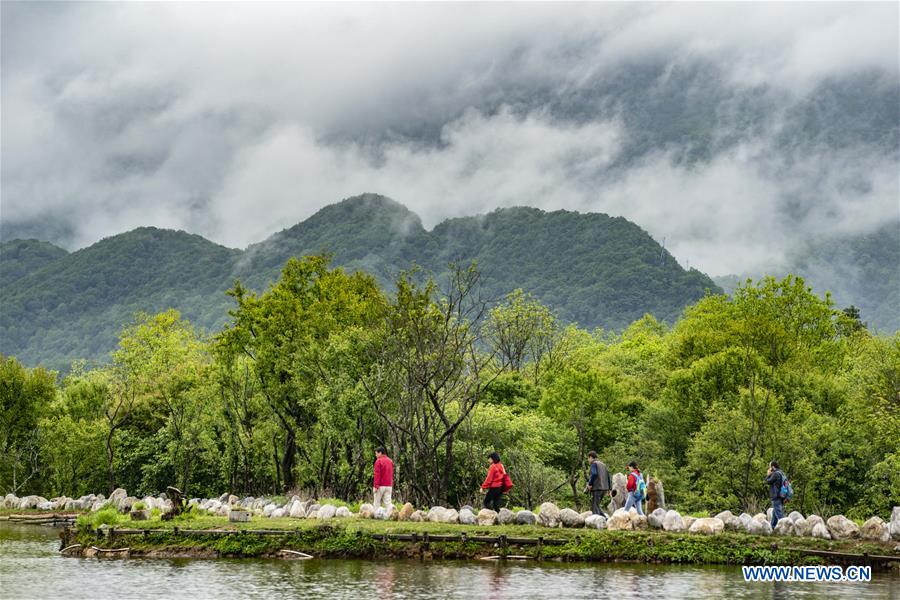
570	518
139	515
672	521
549	515
802	528
813	520
745	519
656	497
525	517
707	526
688	521
620	521
276	514
313	514
406	512
450	516
126	504
327	511
593	521
343	513
366	511
45	505
618	494
506	516
785	526
759	527
486	517
876	529
297	511
467	517
224	509
117	496
223	499
10	501
382	514
268	509
30	502
842	528
435	513
655	519
795	516
637	521
895	523
732	523
762	518
769	514
819	530
417	517
238	516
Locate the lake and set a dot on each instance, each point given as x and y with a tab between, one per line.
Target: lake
31	567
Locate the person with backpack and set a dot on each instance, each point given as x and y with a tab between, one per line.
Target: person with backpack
599	483
777	483
636	487
495	484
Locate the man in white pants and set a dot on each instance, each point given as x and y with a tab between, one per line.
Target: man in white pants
384	479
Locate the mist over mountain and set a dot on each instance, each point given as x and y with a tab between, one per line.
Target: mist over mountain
734	131
592	269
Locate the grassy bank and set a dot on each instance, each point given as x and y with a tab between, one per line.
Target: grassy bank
354	538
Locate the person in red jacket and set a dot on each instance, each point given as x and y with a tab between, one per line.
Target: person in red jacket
493	483
383	485
632	486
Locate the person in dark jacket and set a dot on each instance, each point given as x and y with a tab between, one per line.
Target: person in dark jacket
493	483
599	483
775	479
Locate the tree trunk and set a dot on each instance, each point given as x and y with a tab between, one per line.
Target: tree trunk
111	476
288	460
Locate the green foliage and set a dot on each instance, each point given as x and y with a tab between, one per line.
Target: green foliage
313	374
108	515
591	269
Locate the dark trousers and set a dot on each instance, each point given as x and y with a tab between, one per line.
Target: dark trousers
493	498
777	511
596	500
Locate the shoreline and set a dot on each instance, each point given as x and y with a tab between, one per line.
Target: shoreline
373	541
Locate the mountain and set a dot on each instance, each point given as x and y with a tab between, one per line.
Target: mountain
73	307
21	257
592	269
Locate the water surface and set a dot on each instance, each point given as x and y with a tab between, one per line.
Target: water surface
31	567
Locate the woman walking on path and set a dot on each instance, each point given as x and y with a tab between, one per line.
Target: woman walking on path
634	487
493	483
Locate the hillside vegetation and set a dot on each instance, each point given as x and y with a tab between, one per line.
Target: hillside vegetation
591	269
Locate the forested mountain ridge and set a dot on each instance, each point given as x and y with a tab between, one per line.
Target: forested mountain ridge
590	268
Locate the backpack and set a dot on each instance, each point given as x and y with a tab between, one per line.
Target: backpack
640	487
787	490
507	483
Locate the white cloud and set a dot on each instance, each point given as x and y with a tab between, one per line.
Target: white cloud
234	120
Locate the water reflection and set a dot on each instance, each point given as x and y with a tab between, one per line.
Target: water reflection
30	567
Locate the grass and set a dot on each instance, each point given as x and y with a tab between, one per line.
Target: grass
358	538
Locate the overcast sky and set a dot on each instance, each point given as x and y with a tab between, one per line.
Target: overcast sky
729	129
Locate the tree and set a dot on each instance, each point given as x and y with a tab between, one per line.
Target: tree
284	332
427	373
25	394
522	332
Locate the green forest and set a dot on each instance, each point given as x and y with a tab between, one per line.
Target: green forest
306	378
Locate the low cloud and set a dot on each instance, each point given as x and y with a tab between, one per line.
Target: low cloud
237	120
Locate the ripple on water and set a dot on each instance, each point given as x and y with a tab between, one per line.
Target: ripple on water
30	567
